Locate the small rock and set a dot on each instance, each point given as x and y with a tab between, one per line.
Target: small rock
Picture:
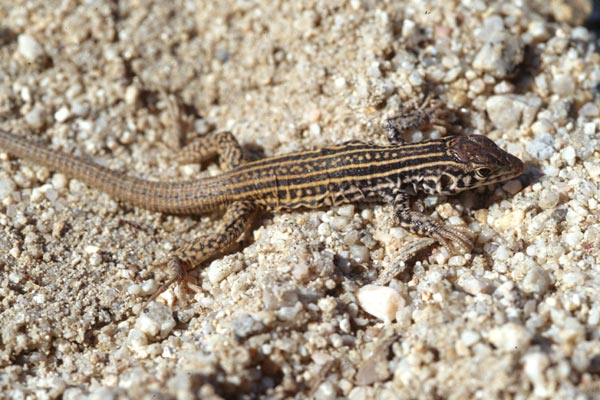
156	321
35	118
535	364
30	48
62	114
247	325
541	147
549	199
477	285
380	301
499	55
511	110
221	269
7	186
568	155
563	85
537	281
510	337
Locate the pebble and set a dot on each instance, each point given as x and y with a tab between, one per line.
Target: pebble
548	199
340	83
35	118
593	169
510	337
573	238
502	253
477	286
563	85
30	48
62	114
511	111
360	254
380	301
534	366
7	186
536	281
59	181
315	129
568	154
541	147
137	341
220	269
156	321
499	55
513	219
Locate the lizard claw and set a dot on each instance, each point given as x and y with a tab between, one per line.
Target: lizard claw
178	273
454	236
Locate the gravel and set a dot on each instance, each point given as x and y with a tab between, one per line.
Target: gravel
332	303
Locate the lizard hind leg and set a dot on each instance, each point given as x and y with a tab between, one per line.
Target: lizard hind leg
221	144
191	255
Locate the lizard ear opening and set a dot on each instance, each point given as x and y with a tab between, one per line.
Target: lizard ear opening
446	182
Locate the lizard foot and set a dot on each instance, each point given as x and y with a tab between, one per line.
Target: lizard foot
454	236
178	272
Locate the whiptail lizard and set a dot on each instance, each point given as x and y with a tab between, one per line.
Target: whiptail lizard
330	176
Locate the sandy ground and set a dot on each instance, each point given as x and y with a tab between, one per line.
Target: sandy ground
127	82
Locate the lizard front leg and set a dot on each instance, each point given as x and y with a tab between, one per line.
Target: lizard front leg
448	236
236	218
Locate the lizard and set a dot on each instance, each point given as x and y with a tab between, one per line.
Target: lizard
350	172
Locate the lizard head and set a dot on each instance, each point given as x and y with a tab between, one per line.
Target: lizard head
472	161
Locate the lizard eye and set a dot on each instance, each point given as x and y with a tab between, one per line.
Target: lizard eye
483	172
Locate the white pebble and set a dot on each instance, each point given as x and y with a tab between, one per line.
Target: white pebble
339	223
360	254
92	249
457	261
51	195
510	111
315	129
221	269
149	286
7	186
95	259
476	286
136	341
62	114
39	298
535	364
346	210
469	338
593	168
380	301
156	320
549	199
30	48
132	94
340	83
537	281
573	239
541	147
36	195
568	154
502	253
134	289
510	337
35	117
